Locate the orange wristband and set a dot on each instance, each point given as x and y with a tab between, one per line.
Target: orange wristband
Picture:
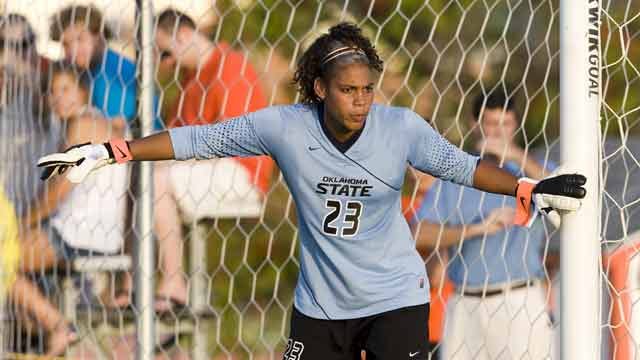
121	152
523	201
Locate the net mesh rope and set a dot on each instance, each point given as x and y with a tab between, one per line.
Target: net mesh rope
620	26
237	240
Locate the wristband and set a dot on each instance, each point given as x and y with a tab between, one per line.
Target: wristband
524	193
119	150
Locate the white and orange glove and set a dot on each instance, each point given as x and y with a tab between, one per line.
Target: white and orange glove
551	196
84	158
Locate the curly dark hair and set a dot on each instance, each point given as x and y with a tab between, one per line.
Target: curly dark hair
310	66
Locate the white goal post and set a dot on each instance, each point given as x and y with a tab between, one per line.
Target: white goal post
580	139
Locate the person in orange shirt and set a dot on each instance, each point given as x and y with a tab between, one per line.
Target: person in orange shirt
219	84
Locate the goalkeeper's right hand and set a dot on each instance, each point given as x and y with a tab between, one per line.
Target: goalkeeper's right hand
559	192
84	158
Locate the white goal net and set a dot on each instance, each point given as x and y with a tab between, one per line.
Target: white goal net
225	231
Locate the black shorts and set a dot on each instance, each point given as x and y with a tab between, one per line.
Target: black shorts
393	335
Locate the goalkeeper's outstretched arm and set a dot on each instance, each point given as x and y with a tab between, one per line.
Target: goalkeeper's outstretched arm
433	154
82	159
153	147
246	135
556	192
490	178
559	192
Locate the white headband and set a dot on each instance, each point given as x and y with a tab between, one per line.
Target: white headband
341	51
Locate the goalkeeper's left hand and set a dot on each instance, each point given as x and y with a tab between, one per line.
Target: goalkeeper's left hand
551	196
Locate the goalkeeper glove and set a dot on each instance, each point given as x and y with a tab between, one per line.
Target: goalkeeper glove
84	158
551	195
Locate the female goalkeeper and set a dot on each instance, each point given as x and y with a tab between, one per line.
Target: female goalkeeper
362	284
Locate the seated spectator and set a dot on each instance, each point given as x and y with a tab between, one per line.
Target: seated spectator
26	130
219	83
24	116
113	91
113	85
17	41
84	219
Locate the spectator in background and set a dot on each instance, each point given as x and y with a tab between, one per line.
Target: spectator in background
82	220
23	77
25	127
21	60
113	90
84	36
497	269
218	83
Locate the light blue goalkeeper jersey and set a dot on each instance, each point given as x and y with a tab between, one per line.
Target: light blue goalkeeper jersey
357	254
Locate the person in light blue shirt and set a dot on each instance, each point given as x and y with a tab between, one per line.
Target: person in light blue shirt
114	88
362	284
490	261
